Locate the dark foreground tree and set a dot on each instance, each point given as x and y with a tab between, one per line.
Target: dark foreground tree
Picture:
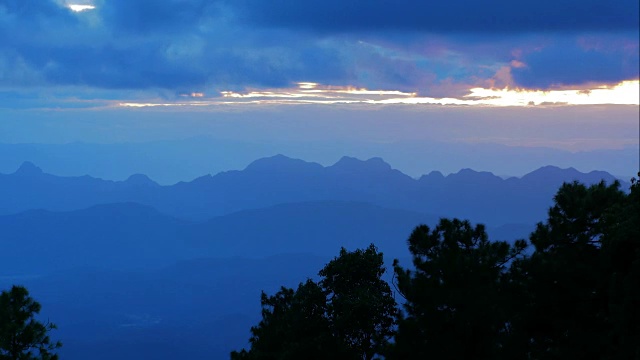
621	253
576	297
582	283
293	326
22	337
360	305
456	306
349	314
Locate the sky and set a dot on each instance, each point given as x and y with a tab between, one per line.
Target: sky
560	74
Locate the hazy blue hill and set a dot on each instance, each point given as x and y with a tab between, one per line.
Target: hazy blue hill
283	165
372	167
128	235
140	180
30	188
371	180
165	161
125	235
315	227
279	179
28	169
265	182
202	308
197	285
552	174
480	196
487	198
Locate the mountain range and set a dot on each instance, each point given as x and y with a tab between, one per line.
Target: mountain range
170	161
133	269
479	196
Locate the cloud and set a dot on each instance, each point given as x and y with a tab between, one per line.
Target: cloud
575	62
32	10
142	17
180	46
176	45
496	16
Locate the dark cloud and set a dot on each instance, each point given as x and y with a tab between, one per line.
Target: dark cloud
175	44
204	45
566	63
30	10
148	16
158	64
31	21
489	16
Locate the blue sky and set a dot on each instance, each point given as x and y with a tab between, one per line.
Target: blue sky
198	61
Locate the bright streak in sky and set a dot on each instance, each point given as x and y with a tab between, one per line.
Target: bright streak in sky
193	95
624	93
79	8
307	85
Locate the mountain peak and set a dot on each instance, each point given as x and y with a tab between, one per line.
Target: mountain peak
140	180
432	176
280	162
351	163
550	171
555	173
467	171
470	175
28	169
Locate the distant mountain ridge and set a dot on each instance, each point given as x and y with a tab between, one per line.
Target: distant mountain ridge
479	196
168	162
130	235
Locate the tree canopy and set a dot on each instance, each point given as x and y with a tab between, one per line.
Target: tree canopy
22	337
573	294
348	314
455	306
581	285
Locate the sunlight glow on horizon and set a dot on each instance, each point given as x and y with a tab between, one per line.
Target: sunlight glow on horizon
624	93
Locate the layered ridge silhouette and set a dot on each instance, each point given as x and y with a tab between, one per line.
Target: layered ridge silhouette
481	196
